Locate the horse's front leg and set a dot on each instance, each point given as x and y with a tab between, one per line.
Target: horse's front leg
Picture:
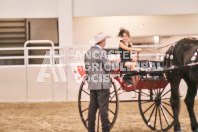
189	100
175	103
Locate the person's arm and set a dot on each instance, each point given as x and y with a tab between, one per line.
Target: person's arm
86	67
107	65
123	46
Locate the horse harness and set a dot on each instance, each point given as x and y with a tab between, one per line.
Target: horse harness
169	55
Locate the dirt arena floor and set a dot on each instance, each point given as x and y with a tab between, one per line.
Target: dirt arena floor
64	117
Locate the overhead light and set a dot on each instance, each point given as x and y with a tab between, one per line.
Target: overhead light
156	39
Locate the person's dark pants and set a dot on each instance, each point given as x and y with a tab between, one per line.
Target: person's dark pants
98	99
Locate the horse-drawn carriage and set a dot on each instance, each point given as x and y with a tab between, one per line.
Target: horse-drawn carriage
153	94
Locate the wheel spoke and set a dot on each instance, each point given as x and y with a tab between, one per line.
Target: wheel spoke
112	92
149	101
162	91
152	113
160	117
164	115
85	92
111	111
155	93
85	122
155	117
112	101
120	88
147	95
165	93
167	111
148	108
85	109
111	97
151	94
165	98
167	103
158	91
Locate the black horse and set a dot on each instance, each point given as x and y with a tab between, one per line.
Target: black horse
181	56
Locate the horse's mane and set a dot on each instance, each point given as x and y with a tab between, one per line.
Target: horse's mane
192	38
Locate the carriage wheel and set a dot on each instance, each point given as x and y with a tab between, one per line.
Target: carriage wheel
155	108
83	104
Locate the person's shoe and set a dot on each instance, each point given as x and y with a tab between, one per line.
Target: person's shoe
128	81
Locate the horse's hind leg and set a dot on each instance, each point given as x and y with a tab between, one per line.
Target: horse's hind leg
175	103
189	100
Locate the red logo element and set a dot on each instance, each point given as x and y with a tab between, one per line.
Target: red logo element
81	71
78	72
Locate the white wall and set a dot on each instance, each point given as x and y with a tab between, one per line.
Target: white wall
86	27
83	8
65	22
13	84
28	8
19	84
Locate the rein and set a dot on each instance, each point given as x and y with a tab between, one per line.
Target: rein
189	38
151	51
166	45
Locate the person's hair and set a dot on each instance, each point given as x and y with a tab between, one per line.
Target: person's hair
122	31
99	42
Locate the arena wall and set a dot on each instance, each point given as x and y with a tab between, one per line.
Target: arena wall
20	84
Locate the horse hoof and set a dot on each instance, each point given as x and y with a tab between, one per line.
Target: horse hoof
178	130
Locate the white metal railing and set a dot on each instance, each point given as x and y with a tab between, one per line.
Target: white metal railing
116	46
69	55
141	54
26	49
14	48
